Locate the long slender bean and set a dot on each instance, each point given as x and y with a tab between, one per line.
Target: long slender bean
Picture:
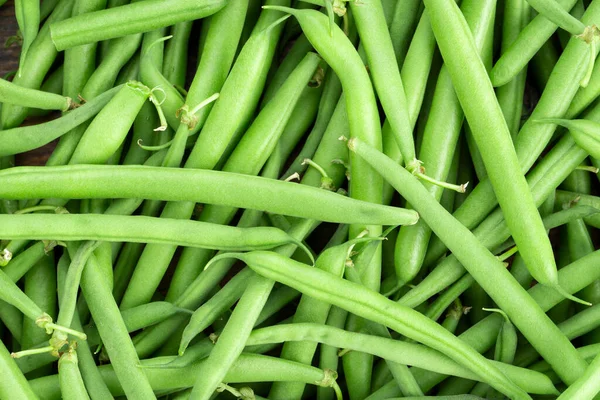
138	17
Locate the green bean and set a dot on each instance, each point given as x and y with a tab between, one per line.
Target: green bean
80	62
120	52
41	56
440	139
139	229
129	19
587	386
221	41
585	132
208	149
326	287
143	282
450	233
107	131
386	76
204	316
529	41
113	332
28	17
175	63
401	352
309	310
232	339
510	95
87	365
18	140
14	384
585	95
556	14
402	27
533	137
46	8
483	112
247	368
40	286
71	383
331	92
24	97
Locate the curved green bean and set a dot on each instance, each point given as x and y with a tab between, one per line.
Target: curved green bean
14	384
24	97
71	383
395	350
368	304
138	17
98	181
472	254
19	140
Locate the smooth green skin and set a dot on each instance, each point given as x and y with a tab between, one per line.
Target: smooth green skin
112	329
494	278
11	93
328	355
296	53
406	16
363	118
221	41
309	310
554	12
196	293
27	13
80	62
510	96
248	158
529	41
52	84
176	53
247	368
443	301
585	132
586	95
120	228
439	142
551	171
240	92
120	52
68	298
492	136
482	335
19	140
332	91
377	308
97	181
583	199
40	286
14	384
109	129
216	306
14	296
129	19
41	56
87	364
385	73
587	386
239	326
533	137
69	378
574	327
394	350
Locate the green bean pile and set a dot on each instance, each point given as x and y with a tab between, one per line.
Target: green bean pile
301	199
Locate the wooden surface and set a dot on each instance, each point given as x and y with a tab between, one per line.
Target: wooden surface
8	27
